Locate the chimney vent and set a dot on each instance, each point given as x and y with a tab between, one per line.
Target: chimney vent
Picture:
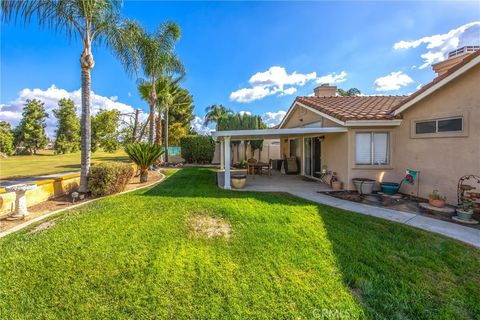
454	57
325	90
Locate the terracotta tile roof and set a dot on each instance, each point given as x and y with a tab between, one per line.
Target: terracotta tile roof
466	60
354	108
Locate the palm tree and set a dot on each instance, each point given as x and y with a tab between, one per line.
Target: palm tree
216	112
157	57
93	22
144	155
349	93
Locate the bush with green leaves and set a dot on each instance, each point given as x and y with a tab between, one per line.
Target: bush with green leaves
109	178
6	139
144	155
197	149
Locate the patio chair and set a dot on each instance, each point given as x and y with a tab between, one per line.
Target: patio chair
251	170
269	168
291	165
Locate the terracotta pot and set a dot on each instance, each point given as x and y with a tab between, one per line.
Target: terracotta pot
439	203
337	185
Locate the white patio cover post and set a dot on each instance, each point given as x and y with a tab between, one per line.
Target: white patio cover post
222	157
226	184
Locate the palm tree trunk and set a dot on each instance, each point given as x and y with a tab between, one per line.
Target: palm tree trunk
87	63
152	102
166	134
158	128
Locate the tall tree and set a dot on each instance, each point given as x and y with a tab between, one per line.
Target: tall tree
67	135
157	57
92	22
30	133
6	139
215	112
105	133
349	93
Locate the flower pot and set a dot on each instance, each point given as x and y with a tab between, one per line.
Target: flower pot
464	215
363	185
337	185
238	181
390	188
439	203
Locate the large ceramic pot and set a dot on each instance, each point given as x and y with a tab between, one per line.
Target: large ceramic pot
364	185
390	188
238	181
464	215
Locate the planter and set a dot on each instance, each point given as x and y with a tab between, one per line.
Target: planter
464	215
389	188
238	181
439	203
337	185
363	185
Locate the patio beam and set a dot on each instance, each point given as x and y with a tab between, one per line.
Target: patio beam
226	184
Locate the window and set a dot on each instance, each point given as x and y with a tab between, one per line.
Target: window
372	148
439	125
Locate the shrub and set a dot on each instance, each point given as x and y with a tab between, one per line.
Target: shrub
197	149
109	178
144	155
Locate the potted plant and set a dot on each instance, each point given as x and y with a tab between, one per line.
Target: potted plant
335	183
465	210
436	200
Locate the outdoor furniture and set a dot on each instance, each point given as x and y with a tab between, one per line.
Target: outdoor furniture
291	165
322	175
20	200
257	167
268	168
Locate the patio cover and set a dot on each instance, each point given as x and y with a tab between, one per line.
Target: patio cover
225	137
272	133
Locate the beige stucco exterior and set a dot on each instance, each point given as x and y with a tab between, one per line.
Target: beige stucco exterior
441	158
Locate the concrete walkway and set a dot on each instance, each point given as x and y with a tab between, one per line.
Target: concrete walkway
296	186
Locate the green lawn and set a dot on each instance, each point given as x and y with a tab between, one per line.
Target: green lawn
46	163
133	256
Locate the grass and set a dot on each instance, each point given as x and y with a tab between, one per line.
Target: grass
46	162
135	256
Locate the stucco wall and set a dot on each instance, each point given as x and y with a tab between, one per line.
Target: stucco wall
443	160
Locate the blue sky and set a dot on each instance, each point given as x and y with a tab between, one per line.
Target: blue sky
229	49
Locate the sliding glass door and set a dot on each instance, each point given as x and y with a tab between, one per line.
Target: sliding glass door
312	156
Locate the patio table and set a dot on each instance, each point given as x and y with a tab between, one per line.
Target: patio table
259	165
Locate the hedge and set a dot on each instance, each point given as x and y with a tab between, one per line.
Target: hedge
109	178
197	149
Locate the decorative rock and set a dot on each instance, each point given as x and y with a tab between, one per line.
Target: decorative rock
20	200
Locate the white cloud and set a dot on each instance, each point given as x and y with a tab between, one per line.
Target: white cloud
439	45
245	112
250	94
12	112
199	127
277	81
393	81
332	78
273	118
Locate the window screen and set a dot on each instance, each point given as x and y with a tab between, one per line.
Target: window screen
363	148
448	125
380	148
426	127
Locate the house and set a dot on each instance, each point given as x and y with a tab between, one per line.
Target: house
435	130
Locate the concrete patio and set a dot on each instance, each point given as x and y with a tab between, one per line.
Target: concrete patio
307	189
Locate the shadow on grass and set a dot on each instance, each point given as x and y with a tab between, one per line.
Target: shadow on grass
394	271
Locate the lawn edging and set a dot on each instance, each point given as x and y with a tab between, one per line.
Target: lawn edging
40	218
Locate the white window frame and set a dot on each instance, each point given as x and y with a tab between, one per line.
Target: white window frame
436	126
372	149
